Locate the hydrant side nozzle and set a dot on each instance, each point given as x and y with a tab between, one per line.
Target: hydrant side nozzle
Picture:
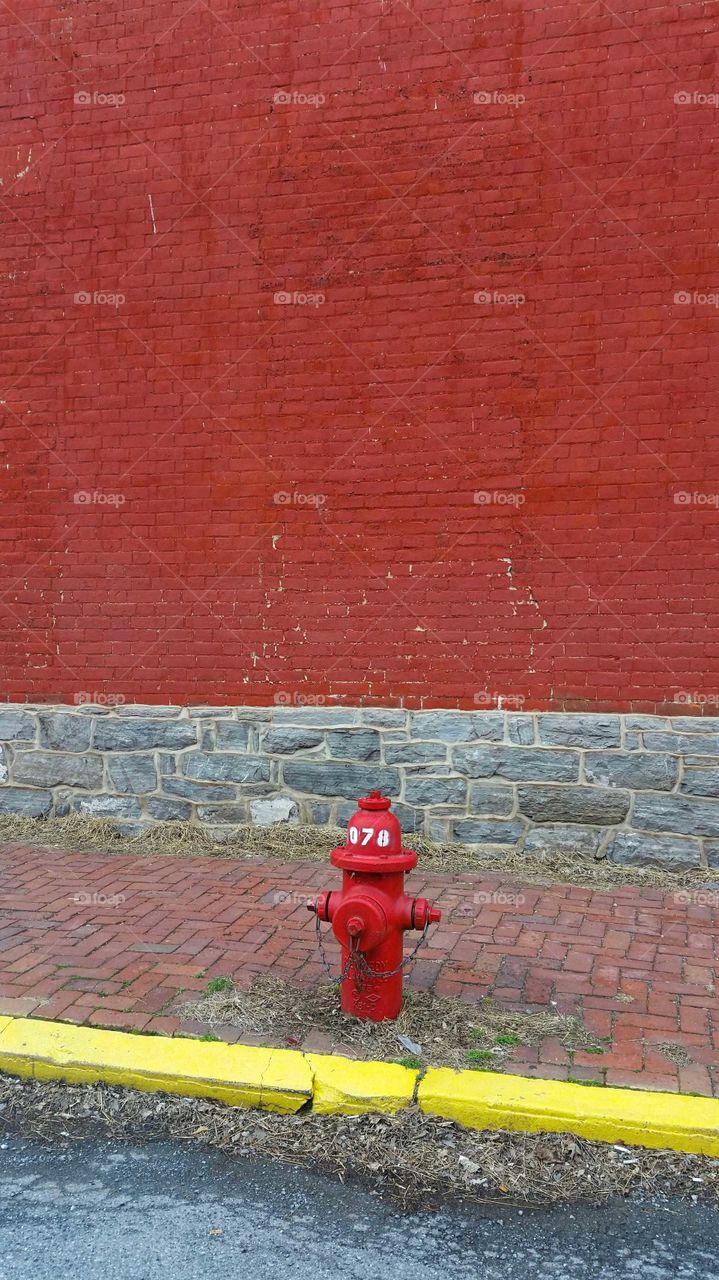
424	914
321	905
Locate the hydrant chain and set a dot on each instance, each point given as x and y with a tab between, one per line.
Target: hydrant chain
357	959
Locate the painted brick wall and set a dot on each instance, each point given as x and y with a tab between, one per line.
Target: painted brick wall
496	224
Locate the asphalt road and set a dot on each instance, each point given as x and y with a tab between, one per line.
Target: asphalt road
115	1212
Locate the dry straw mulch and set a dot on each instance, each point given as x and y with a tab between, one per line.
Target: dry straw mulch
298	843
446	1031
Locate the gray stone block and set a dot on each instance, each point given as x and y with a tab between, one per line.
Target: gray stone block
696	724
316	813
520	728
146	709
318	717
675	853
50	768
568	729
573	804
681	814
119	734
64	731
458	726
571	841
197	791
440	830
132	774
232	736
428	789
107	806
266	812
24	802
255	715
223	814
4	765
211	713
410	820
218	767
168	763
681	744
701	782
711	849
168	810
476	831
645	722
327	778
517	764
384	718
16	724
496	799
354	744
415	753
637	770
282	741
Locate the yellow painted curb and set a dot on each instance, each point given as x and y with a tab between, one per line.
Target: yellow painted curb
283	1080
486	1100
241	1075
345	1087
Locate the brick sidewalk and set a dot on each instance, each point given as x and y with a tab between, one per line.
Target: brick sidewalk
111	941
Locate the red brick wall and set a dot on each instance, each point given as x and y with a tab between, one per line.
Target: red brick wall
183	411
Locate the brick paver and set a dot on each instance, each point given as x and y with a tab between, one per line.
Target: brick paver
114	941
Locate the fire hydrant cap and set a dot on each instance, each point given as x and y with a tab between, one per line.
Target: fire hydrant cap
374	802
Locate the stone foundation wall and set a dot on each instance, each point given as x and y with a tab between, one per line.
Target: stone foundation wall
634	788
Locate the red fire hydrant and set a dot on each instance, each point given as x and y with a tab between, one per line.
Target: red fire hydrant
371	911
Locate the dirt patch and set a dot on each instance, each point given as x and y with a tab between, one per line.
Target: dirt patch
417	1160
313	844
431	1030
675	1053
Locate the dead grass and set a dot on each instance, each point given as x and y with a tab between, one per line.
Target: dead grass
419	1161
447	1031
312	844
